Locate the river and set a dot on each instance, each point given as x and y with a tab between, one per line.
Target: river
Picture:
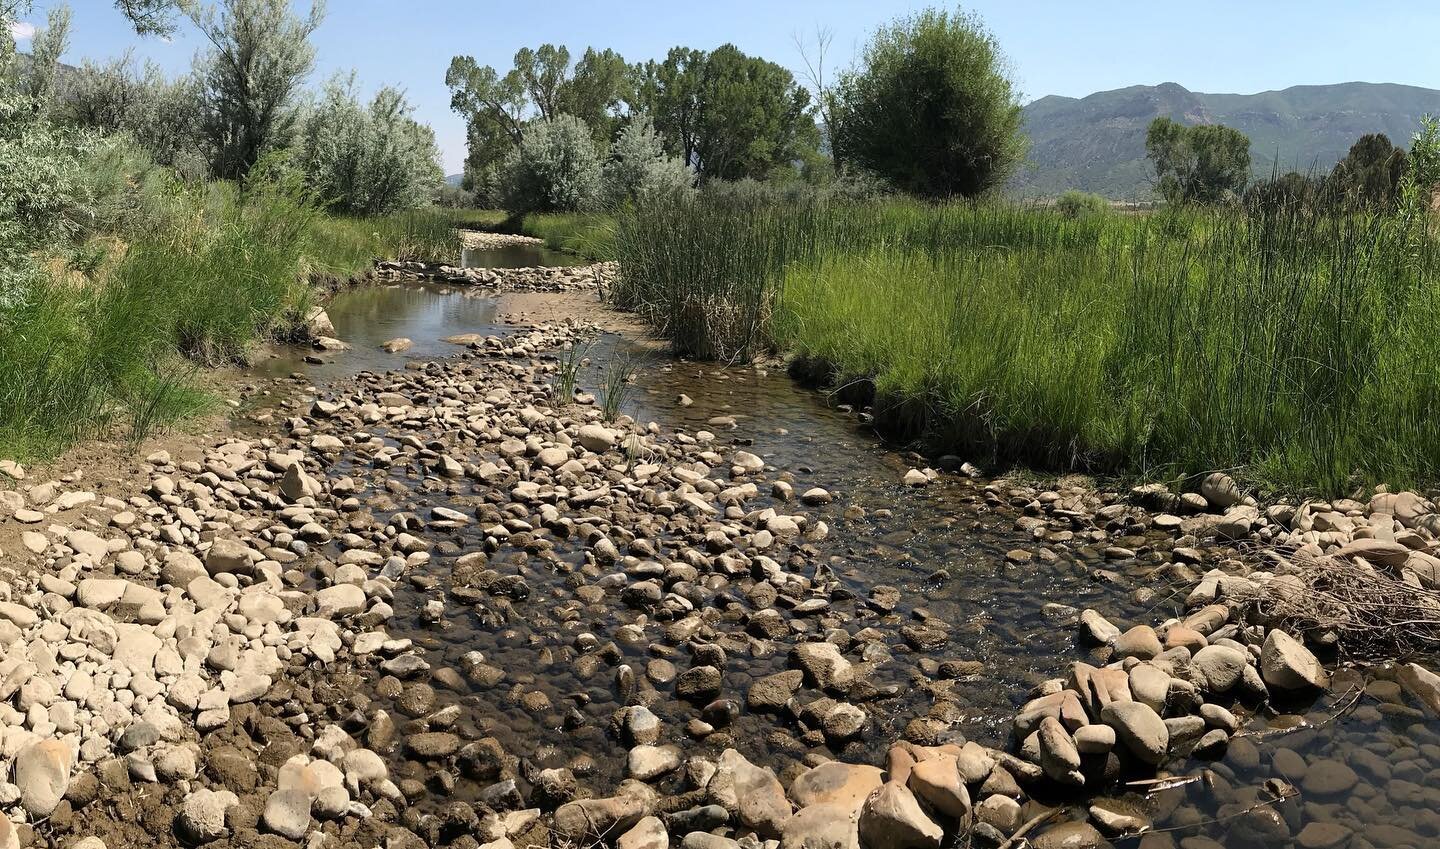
1374	770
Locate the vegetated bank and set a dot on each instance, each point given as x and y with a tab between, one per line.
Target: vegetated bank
1283	343
164	278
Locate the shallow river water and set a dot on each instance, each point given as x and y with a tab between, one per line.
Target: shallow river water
1369	777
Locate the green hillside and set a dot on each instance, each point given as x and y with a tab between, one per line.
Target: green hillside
1097	143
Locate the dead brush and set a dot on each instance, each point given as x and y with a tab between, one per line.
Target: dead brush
1374	613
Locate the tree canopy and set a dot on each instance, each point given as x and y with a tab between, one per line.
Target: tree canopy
1369	175
259	58
1206	163
931	108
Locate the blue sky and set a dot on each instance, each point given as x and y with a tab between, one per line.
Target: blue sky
1055	46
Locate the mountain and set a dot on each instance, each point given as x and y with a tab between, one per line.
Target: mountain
1097	143
454	179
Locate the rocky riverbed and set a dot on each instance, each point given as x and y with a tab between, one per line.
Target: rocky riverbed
437	606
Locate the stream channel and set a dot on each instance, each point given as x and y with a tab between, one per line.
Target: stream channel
1369	777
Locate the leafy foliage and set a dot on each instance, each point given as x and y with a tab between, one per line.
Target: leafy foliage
639	167
931	108
1074	204
1369	175
250	80
1205	164
368	160
555	168
163	116
541	85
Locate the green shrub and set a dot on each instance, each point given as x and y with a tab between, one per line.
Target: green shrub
932	108
1073	204
639	168
554	169
371	160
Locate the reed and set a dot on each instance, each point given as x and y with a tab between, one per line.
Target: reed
1286	344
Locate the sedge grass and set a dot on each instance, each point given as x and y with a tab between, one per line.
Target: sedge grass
1288	345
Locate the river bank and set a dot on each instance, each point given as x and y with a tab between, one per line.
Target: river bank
569	605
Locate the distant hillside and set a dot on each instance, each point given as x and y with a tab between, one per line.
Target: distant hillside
454	179
1097	143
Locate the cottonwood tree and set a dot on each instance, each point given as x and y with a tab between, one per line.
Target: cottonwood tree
1204	164
152	17
669	92
1369	175
541	86
259	58
596	91
727	114
931	107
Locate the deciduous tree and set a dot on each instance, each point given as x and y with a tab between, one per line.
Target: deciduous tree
931	107
1206	164
259	58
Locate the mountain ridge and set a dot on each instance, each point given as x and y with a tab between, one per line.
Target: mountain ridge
1096	143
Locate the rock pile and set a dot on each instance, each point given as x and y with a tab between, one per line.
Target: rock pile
532	279
485	241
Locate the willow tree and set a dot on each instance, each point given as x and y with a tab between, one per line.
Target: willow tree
931	108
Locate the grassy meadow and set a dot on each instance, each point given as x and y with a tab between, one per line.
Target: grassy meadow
1283	345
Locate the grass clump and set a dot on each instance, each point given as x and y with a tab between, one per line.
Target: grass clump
1283	343
587	234
108	335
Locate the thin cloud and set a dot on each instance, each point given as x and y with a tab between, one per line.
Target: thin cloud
21	31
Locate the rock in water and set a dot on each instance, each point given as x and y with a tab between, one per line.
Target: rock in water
753	793
1285	663
892	819
1141	730
1422	684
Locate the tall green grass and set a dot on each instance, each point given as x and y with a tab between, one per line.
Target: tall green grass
345	247
1283	344
109	341
587	234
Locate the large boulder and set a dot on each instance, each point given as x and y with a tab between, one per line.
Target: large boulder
753	794
1422	684
42	772
1286	664
892	819
587	821
1140	729
1218	668
822	827
824	666
837	784
228	555
297	484
936	780
1220	491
